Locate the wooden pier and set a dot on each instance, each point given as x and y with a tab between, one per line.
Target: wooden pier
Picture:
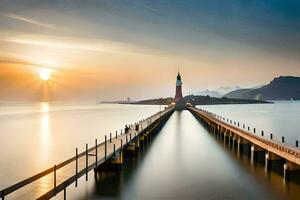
56	179
279	153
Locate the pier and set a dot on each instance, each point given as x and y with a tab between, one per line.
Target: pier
107	155
277	156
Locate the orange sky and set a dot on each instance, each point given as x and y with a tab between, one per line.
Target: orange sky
135	49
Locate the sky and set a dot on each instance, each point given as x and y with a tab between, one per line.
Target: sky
114	49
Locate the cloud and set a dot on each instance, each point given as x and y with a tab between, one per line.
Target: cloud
15	62
84	44
146	7
28	20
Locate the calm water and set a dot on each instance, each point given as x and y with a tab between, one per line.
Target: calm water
34	137
183	162
186	162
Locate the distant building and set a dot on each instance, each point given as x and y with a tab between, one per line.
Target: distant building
178	95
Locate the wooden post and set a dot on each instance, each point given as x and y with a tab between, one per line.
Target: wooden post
116	134
262	133
76	167
282	139
110	137
297	145
86	162
254	130
114	149
96	149
54	179
65	193
105	148
243	126
248	128
121	144
271	136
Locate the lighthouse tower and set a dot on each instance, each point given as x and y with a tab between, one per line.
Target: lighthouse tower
178	95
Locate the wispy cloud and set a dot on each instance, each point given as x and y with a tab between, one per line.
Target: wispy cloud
85	44
28	20
145	6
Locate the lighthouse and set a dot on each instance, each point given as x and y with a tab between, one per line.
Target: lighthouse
178	95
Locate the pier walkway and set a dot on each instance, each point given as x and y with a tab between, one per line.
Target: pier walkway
50	182
273	151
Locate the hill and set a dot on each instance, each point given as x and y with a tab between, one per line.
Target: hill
199	100
280	88
239	94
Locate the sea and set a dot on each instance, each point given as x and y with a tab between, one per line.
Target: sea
183	162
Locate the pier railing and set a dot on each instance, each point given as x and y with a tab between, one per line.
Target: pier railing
286	151
29	180
103	151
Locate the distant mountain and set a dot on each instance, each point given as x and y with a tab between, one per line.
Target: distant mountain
209	93
226	89
258	86
239	94
218	92
280	88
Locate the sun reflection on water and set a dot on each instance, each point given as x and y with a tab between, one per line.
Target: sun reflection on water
45	120
45	107
44	132
44	149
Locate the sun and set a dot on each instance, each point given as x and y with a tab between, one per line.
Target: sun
45	74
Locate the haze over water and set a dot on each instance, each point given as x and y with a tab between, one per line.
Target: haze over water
183	162
34	137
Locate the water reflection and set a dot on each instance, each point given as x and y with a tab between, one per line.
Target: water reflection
110	184
186	162
44	107
37	136
44	138
255	165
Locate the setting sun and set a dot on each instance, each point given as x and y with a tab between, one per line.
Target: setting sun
45	74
